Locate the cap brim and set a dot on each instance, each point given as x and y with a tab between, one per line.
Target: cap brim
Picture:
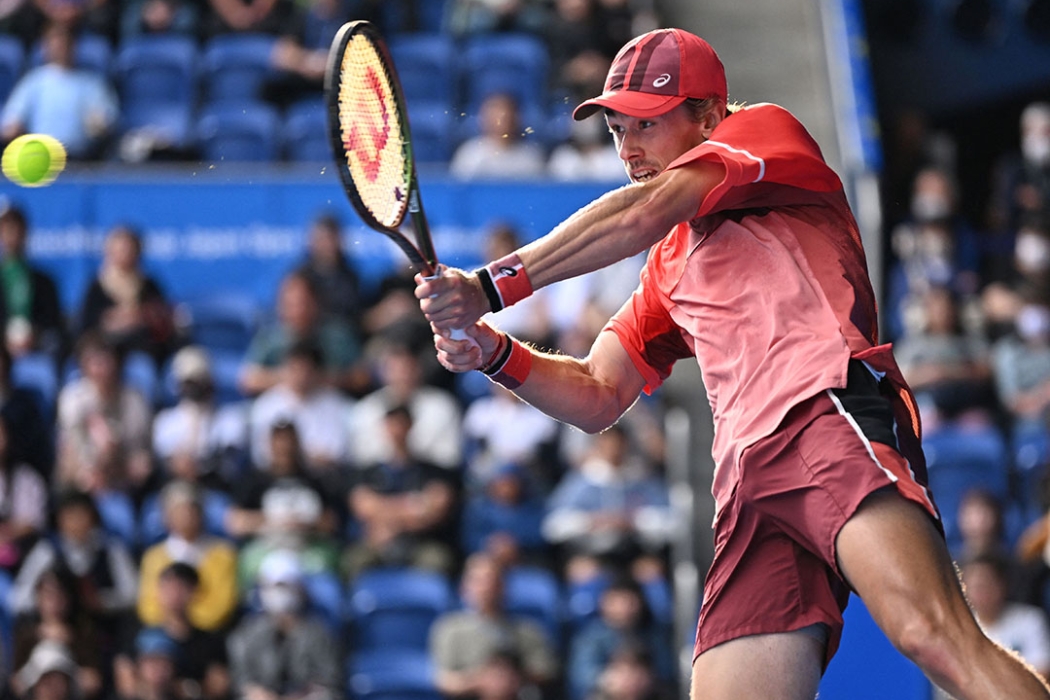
633	104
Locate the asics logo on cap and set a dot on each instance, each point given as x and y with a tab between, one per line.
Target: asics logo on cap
662	80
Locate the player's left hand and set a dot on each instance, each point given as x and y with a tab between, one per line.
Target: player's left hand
453	299
469	353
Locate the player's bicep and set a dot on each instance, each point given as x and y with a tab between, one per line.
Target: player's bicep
613	367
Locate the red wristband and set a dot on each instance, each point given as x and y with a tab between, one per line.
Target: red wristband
510	280
511	369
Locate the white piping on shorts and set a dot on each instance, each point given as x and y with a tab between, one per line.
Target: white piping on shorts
871	450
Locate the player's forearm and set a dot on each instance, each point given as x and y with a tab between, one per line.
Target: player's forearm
564	389
618	225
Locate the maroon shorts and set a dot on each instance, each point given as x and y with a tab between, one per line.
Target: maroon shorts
774	567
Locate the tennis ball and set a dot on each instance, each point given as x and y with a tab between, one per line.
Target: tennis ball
33	160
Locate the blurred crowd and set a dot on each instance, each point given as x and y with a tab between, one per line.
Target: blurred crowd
328	505
967	304
136	73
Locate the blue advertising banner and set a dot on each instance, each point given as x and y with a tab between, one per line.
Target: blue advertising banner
227	228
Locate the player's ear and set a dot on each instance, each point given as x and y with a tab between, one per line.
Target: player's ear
712	118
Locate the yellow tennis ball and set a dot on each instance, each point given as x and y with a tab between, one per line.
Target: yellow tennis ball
33	160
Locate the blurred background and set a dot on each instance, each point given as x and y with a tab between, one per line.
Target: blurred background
230	466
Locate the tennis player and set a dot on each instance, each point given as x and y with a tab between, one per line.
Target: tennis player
756	270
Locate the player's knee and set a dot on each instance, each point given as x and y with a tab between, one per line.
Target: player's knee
931	639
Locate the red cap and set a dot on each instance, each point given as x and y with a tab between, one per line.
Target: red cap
656	72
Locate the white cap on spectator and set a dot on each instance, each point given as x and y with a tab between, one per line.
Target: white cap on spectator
191	363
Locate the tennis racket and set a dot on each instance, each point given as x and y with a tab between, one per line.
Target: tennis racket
372	144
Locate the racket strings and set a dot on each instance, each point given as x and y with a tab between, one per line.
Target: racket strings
372	133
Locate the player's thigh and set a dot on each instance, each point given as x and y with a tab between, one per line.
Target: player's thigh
895	559
781	666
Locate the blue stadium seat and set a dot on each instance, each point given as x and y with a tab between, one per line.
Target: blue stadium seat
249	132
117	512
535	593
223	320
433	131
394	608
140	372
235	67
169	123
12	62
306	132
92	51
394	16
511	63
426	65
38	372
385	675
157	69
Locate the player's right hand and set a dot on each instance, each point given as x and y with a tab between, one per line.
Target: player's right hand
453	299
465	355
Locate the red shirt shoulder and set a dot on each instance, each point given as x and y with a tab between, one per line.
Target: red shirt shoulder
761	147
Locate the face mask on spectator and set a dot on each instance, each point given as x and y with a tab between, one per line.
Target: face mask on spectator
928	206
1032	252
1033	322
279	599
1036	149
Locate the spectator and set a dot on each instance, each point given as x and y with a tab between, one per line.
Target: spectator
300	319
282	652
1021	364
103	570
1021	185
948	369
623	618
23	505
579	48
464	642
195	439
28	416
1017	627
255	16
405	505
436	417
301	52
29	308
318	411
629	675
327	268
587	154
59	618
505	517
610	511
124	303
199	655
1029	278
982	529
469	17
154	669
50	674
75	105
287	481
159	17
103	425
296	515
499	151
215	595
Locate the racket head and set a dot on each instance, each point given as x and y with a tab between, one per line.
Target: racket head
371	139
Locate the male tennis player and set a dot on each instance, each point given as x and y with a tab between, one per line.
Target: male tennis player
757	271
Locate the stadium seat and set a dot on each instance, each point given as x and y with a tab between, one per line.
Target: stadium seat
393	608
426	66
535	593
37	371
12	61
157	69
140	372
385	675
396	16
511	63
223	320
306	132
249	132
117	512
433	131
166	123
235	66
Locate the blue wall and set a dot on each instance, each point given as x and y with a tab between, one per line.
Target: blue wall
226	228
